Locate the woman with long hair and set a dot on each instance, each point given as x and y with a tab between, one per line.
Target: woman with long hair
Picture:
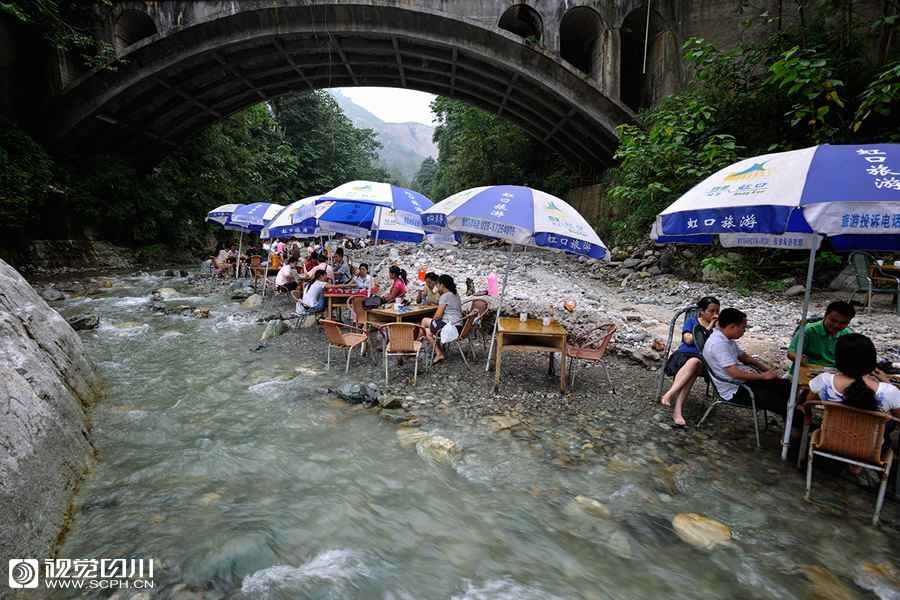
449	311
684	364
398	284
854	384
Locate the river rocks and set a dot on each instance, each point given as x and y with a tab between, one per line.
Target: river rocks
274	329
164	294
269	316
242	292
592	506
47	384
391	402
631	263
882	579
201	312
501	422
647	357
410	437
354	393
439	447
795	290
825	585
51	294
700	531
85	322
252	302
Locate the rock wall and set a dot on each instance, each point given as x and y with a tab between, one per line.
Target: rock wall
73	256
46	385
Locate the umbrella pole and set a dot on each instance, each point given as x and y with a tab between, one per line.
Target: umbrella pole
795	379
377	224
237	263
487	364
266	269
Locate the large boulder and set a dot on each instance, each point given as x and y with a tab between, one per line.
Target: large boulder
252	302
47	384
273	329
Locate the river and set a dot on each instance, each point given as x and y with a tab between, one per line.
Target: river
242	478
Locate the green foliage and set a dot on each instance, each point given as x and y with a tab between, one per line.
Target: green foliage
881	98
478	148
58	23
806	78
424	179
251	156
26	171
658	162
328	148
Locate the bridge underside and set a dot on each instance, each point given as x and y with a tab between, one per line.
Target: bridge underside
170	86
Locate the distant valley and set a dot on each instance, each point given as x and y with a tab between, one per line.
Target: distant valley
404	145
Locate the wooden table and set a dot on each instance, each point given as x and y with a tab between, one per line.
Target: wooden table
341	297
531	336
414	313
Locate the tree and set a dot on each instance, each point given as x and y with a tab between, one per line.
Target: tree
424	178
329	149
478	148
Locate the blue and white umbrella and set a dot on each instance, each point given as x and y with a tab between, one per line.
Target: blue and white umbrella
244	218
518	215
403	223
221	215
298	219
359	207
848	194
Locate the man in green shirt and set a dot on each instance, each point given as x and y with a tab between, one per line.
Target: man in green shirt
821	336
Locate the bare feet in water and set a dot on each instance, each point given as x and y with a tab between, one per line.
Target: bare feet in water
665	401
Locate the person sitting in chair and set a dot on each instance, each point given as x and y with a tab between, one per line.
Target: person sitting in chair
684	364
341	268
449	311
286	279
821	336
429	294
314	298
731	366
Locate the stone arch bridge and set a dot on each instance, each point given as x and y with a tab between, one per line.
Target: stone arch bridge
567	71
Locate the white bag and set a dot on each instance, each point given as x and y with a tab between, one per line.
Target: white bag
448	334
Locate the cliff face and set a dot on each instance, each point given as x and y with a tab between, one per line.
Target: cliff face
46	386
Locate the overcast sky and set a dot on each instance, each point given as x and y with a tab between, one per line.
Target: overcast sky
393	105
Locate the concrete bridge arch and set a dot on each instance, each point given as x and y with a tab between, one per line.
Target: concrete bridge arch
187	64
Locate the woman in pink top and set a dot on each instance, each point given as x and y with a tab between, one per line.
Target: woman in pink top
398	284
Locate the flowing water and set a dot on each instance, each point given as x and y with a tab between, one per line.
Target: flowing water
242	478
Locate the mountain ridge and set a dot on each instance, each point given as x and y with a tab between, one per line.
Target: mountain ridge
404	145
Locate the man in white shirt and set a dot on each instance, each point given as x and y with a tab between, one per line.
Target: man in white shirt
314	297
733	368
286	279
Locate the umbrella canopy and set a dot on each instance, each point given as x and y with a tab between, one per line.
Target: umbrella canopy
296	220
255	216
222	215
790	200
850	194
518	215
402	223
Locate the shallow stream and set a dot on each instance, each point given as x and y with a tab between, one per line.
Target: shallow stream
242	478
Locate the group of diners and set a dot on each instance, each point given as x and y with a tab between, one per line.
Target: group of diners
321	275
852	374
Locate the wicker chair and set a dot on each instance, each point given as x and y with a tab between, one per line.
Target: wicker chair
339	336
400	341
465	327
480	308
591	347
870	279
855	437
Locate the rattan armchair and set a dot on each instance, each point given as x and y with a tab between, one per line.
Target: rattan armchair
401	341
343	336
591	347
856	437
479	307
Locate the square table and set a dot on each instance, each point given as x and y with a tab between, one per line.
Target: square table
414	313
341	297
532	335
